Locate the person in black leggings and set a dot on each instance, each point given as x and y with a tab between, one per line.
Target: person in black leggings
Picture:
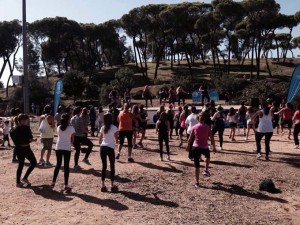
108	138
163	129
218	124
23	138
65	139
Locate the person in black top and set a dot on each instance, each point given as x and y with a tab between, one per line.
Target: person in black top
218	124
23	138
204	90
163	128
115	113
242	116
170	118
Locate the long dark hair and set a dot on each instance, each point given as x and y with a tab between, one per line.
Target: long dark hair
231	111
107	119
64	123
265	108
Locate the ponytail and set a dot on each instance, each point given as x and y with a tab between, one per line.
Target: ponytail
64	123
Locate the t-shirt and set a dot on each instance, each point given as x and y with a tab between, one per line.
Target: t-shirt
109	137
50	131
23	135
6	129
231	119
297	117
125	121
201	132
191	120
76	121
64	138
57	117
287	114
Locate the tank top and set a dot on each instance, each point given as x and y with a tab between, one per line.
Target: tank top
219	122
265	124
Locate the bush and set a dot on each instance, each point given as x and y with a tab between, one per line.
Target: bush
104	91
92	92
123	79
74	84
183	81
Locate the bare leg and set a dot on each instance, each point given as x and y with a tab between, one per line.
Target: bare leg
197	174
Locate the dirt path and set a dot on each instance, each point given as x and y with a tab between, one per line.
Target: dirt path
154	192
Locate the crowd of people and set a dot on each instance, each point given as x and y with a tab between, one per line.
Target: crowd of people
194	129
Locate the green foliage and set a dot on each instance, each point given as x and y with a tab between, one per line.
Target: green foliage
183	81
104	91
229	83
123	79
74	84
92	91
266	89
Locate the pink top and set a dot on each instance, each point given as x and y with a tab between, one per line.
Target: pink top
297	117
201	132
287	114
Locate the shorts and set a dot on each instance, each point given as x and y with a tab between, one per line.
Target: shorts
128	134
47	143
181	130
287	122
232	125
197	152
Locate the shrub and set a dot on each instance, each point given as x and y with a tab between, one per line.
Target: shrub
123	79
183	81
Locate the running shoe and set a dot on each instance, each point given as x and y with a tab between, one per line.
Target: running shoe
135	146
86	161
118	156
130	159
77	167
25	181
19	185
161	159
196	185
48	164
114	189
42	162
258	156
169	157
103	189
296	146
206	173
14	161
267	158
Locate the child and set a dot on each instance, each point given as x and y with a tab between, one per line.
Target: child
232	119
6	129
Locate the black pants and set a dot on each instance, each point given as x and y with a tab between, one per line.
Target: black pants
258	138
220	130
296	132
78	141
110	153
163	138
14	154
59	155
93	127
181	96
171	127
22	154
146	100
205	96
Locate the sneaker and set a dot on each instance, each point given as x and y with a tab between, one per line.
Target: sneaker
161	159
25	181
114	189
135	147
14	161
206	173
169	157
258	156
296	146
42	162
77	167
180	144
267	158
86	161
118	156
103	189
130	159
48	164
196	185
19	185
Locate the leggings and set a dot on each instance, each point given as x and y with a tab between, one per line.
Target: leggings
22	154
296	133
259	136
104	152
93	127
220	130
78	141
163	138
59	155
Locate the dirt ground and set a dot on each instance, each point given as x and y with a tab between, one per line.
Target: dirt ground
155	192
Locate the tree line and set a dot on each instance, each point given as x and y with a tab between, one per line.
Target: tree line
221	30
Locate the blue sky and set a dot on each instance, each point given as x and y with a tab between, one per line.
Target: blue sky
97	11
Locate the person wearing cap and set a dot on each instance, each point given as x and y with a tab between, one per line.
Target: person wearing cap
218	124
170	118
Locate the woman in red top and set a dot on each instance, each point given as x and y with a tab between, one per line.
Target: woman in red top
287	117
296	120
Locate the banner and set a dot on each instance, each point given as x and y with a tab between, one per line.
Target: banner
294	84
57	92
213	94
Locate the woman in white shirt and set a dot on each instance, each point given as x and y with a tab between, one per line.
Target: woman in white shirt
232	119
65	134
108	138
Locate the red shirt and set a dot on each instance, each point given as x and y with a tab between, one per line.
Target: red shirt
287	114
201	132
297	117
125	121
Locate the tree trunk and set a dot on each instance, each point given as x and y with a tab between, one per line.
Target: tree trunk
229	54
252	59
135	56
267	63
